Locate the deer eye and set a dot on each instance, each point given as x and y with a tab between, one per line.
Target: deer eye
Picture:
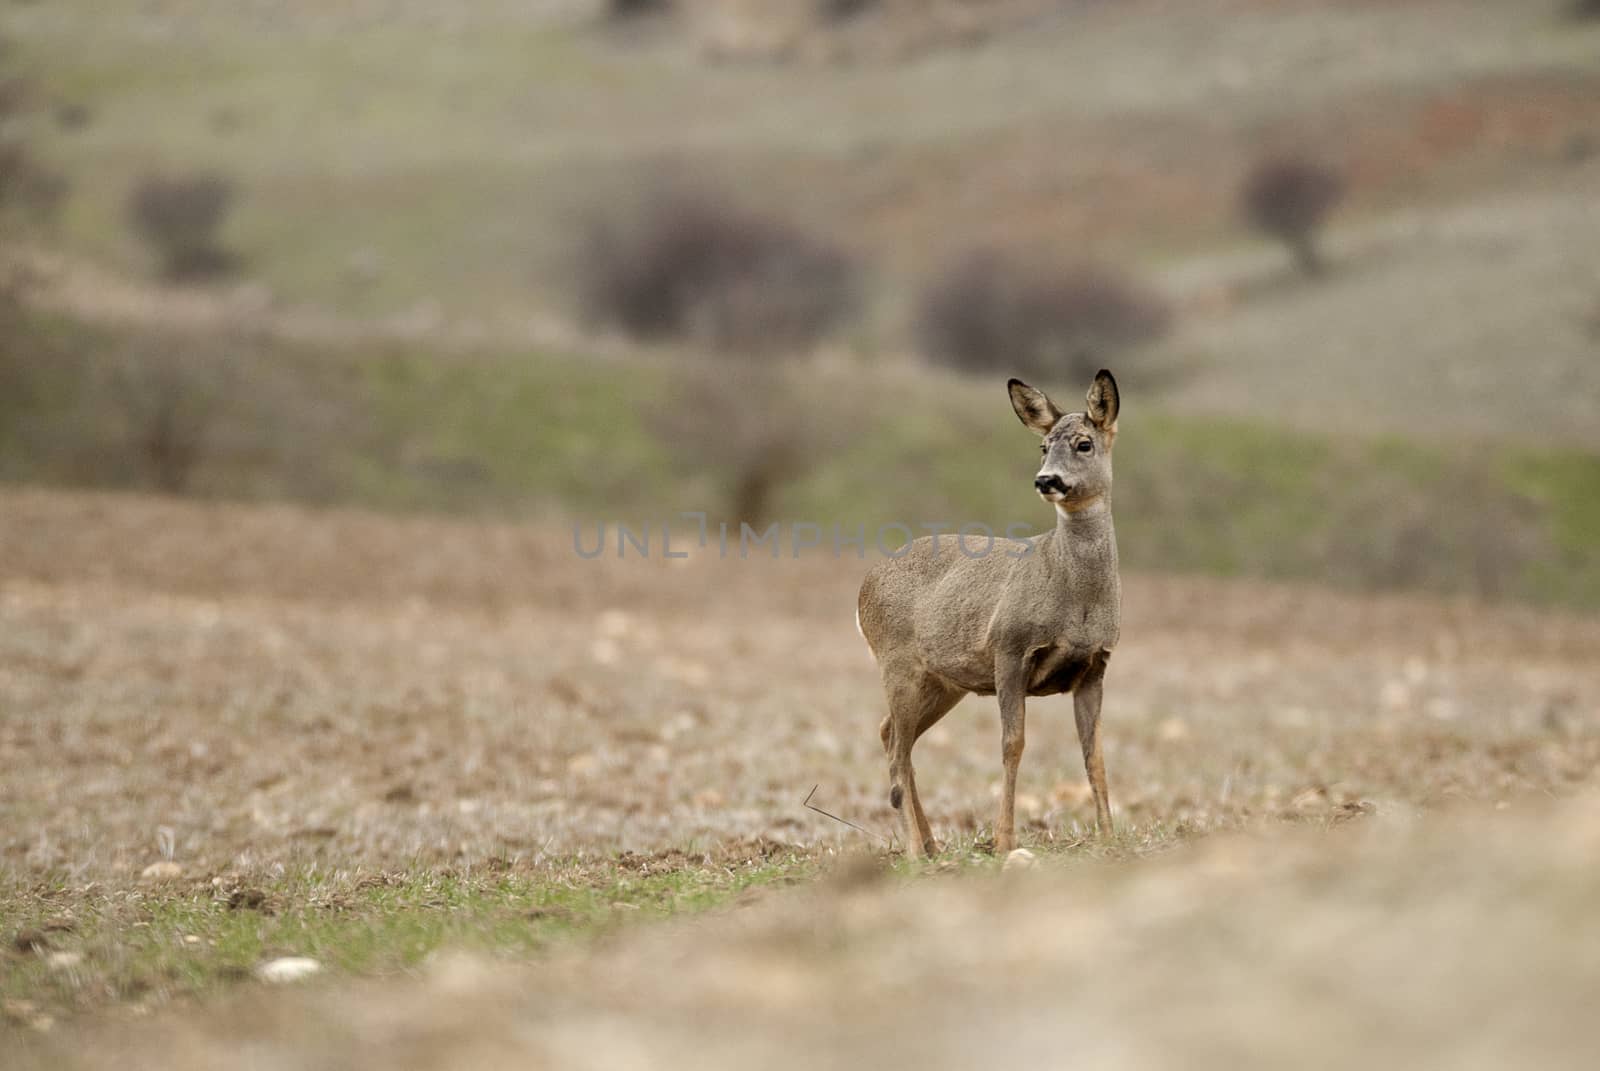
1044	448
1086	447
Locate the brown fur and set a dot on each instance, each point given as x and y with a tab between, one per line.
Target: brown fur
1031	617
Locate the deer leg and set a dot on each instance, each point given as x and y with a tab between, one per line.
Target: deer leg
903	784
1086	709
1011	689
938	704
914	705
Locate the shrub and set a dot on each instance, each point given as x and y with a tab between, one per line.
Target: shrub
29	191
1289	198
29	195
684	264
989	312
753	430
619	10
169	397
180	217
843	10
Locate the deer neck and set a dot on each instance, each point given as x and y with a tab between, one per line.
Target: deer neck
1084	538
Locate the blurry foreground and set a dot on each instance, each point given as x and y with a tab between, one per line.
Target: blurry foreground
1465	941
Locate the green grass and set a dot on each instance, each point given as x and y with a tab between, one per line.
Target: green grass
158	943
1567	487
542	434
135	943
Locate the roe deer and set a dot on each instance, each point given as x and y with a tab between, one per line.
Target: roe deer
1029	617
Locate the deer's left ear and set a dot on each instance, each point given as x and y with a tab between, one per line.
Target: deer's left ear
1103	402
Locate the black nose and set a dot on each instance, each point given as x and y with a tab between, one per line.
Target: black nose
1045	484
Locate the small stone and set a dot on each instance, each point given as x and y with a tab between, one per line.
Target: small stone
287	969
1020	859
166	870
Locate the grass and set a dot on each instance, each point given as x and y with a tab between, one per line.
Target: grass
151	944
73	947
398	427
1445	923
1568	489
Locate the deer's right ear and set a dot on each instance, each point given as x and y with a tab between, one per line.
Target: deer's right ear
1033	408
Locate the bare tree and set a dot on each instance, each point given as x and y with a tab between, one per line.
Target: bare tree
627	9
1289	198
169	394
181	217
684	263
752	429
989	311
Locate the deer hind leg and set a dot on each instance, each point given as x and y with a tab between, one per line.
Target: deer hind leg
916	702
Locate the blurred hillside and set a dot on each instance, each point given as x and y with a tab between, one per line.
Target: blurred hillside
389	305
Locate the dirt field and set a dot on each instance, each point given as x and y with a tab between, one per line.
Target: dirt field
293	685
268	696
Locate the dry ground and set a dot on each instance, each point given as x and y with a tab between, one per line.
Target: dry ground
274	685
311	702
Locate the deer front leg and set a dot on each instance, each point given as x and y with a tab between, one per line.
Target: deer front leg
1011	689
1086	709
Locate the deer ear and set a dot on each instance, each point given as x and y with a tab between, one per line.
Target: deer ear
1103	401
1033	408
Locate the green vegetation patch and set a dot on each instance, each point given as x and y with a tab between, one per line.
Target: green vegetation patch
396	426
70	948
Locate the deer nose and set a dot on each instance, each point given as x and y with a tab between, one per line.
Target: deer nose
1046	484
